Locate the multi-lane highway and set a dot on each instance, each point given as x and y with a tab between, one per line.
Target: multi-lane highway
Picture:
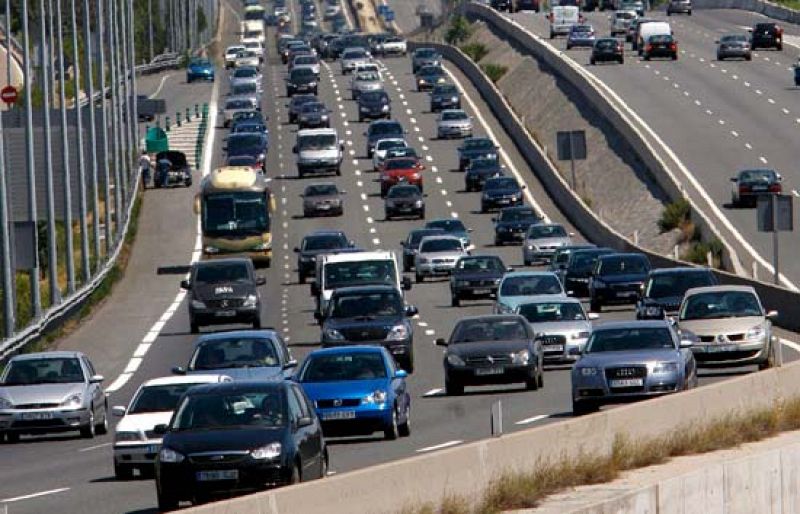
143	330
717	117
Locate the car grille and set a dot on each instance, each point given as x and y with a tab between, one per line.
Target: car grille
403	205
365	334
735	337
443	261
725	356
226	303
217	458
483	360
344	402
36	406
626	287
728	337
626	372
482	283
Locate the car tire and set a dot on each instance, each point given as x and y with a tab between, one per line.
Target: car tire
301	278
406	267
123	472
646	57
404	429
338	172
592	62
419	278
579	408
595	306
194	328
455	300
88	430
770	361
390	432
675	57
497	242
453	388
540	377
102	427
422	214
295	477
622	60
527	262
166	502
257	323
748	57
532	383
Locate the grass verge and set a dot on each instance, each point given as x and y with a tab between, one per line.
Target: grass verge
527	488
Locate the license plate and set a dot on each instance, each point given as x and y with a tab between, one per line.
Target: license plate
503	200
721	348
626	294
338	414
553	347
36	416
405	209
481	291
323	207
489	371
759	188
627	382
222	474
225	314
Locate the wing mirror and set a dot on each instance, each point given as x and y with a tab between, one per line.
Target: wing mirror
411	311
96	379
401	373
406	284
314	289
771	315
296	249
593	316
294	149
304	421
260	281
178	370
440	342
290	364
118	411
161	429
734	179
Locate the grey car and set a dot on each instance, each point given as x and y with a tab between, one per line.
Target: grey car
352	57
424	57
732	46
322	199
51	392
631	360
728	327
365	81
542	241
560	324
404	200
437	256
453	123
241	355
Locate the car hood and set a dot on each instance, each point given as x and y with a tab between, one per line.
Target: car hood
441	255
482	348
623	278
721	325
368	84
233	439
501	192
143	422
318	154
344	388
409	199
635	357
477	152
372	104
454	123
561	327
41	393
262	373
512	302
549	241
222	290
253	150
476	275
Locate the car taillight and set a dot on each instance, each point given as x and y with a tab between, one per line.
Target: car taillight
620	47
744	188
649	48
673	46
775	188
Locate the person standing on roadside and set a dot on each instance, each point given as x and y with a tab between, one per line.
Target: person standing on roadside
144	167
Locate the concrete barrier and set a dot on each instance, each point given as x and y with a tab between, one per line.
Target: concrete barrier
769	9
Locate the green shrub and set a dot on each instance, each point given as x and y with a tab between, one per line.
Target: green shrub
475	51
458	31
674	215
494	71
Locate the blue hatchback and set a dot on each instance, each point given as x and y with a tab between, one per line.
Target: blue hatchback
357	390
200	69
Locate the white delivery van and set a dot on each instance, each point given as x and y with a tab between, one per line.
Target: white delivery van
254	30
562	18
650	29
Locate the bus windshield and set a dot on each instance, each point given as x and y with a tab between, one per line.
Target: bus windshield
227	214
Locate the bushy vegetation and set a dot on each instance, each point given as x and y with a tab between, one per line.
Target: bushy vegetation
475	51
675	215
458	31
494	71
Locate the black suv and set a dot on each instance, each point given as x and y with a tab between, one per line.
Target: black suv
479	171
301	80
512	223
664	288
320	242
223	291
370	315
475	276
766	35
617	279
445	96
411	244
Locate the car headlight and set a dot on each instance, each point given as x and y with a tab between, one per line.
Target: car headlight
250	301
588	371
197	304
261	157
491	156
268	452
312	84
211	249
531	247
422	81
264	245
455	360
665	367
385	108
598	284
378	397
454	99
521	357
502	229
127	436
74	400
365	109
757	332
169	455
398	333
581	335
323	117
653	311
333	334
5	404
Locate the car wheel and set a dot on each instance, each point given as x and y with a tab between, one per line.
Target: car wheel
748	57
194	328
770	361
301	278
295	477
581	407
166	502
622	60
532	383
390	432
405	428
497	242
406	267
323	465
338	172
595	306
88	430
592	62
123	472
422	214
527	262
540	378
453	388
455	301
102	427
419	278
257	323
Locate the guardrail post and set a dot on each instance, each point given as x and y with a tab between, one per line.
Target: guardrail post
166	124
178	118
196	110
188	115
205	111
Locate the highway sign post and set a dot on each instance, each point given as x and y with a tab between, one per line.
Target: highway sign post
571	145
9	95
775	214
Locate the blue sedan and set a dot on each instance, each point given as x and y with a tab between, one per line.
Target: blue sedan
200	69
357	390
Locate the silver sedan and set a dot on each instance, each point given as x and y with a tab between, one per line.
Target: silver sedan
51	392
437	256
542	241
453	123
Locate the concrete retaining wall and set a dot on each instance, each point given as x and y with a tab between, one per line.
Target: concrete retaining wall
770	9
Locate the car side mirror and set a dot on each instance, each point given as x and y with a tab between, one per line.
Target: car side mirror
351	243
686	343
178	370
734	179
406	284
440	342
411	311
291	364
296	249
161	429
401	373
318	316
469	230
304	421
771	315
294	149
118	411
96	379
593	316
260	281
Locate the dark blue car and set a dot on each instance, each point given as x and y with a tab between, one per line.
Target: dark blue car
200	69
479	171
512	223
357	390
248	143
617	279
473	148
501	192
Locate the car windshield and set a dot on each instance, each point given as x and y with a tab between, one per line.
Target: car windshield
431	71
625	15
53	370
312	108
390	143
501	183
630	339
236	352
321	190
243	141
355	273
757	176
450	225
158	398
582	28
317	142
302	73
480	264
734	38
235	213
664	285
299	101
326	242
529	285
385	128
244	128
401	164
552	312
221	410
583	260
441	245
486	329
454	115
305	59
248	115
201	62
245	73
622	265
416	236
721	304
426	53
355	54
546	231
366	305
213	273
518	215
374	97
445	89
660	38
367	76
239	103
248	54
234	50
339	367
403	192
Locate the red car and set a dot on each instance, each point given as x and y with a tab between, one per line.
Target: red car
401	169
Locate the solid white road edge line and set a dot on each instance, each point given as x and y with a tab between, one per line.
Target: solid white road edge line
439	446
534	419
791	344
160	86
34	495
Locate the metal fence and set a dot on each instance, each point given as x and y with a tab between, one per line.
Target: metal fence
69	153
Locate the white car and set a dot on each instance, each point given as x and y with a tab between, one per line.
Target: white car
308	61
393	45
231	53
437	256
135	443
254	45
247	58
352	57
382	146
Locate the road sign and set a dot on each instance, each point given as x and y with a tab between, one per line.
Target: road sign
774	213
8	94
571	146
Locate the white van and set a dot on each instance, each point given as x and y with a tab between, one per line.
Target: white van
254	30
562	18
356	269
649	29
